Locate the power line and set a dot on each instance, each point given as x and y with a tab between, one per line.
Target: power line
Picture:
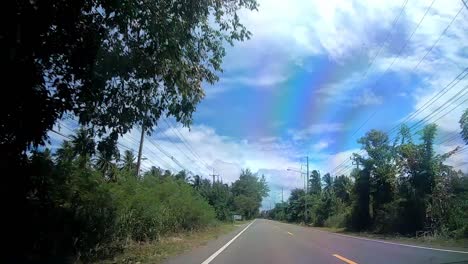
438	108
464	3
156	156
449	139
401	49
133	150
389	33
188	146
436	97
69	138
406	42
168	155
438	39
448	112
183	152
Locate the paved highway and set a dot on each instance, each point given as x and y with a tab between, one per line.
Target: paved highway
264	241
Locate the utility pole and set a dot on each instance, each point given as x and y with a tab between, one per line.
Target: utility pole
140	150
307	190
355	161
282	193
214	176
307	176
302	175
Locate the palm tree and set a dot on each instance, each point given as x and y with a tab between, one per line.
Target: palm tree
105	164
328	186
65	154
196	182
182	175
154	171
128	161
83	146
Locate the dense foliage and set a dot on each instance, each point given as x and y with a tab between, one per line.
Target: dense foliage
398	187
112	65
86	205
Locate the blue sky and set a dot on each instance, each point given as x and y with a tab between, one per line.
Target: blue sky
307	80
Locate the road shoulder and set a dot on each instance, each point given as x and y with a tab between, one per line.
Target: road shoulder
428	242
170	247
203	251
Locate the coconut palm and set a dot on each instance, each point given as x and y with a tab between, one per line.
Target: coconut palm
196	182
105	164
83	146
128	161
65	153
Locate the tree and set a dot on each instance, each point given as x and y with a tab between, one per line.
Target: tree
112	64
424	179
153	172
328	184
315	184
380	169
220	198
402	188
248	192
296	205
128	162
325	204
360	218
183	176
65	154
464	126
105	164
196	182
83	146
342	187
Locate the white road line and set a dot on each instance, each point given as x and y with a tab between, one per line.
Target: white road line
396	244
208	260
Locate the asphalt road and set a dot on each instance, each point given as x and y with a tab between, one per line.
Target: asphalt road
265	241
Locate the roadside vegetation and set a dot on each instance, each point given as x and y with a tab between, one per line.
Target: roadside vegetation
400	187
170	245
90	205
112	66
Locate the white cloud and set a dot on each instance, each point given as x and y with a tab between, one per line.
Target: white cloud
305	27
339	163
457	160
368	98
441	106
268	156
211	150
321	145
313	129
349	32
266	80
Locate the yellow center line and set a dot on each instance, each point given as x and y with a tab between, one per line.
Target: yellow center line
290	233
344	259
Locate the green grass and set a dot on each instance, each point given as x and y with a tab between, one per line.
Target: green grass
156	252
430	241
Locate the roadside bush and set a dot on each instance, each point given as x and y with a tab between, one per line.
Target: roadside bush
75	213
386	219
71	212
338	220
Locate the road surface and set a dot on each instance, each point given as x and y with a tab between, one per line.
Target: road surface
270	242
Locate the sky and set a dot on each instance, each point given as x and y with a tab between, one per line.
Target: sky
314	78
